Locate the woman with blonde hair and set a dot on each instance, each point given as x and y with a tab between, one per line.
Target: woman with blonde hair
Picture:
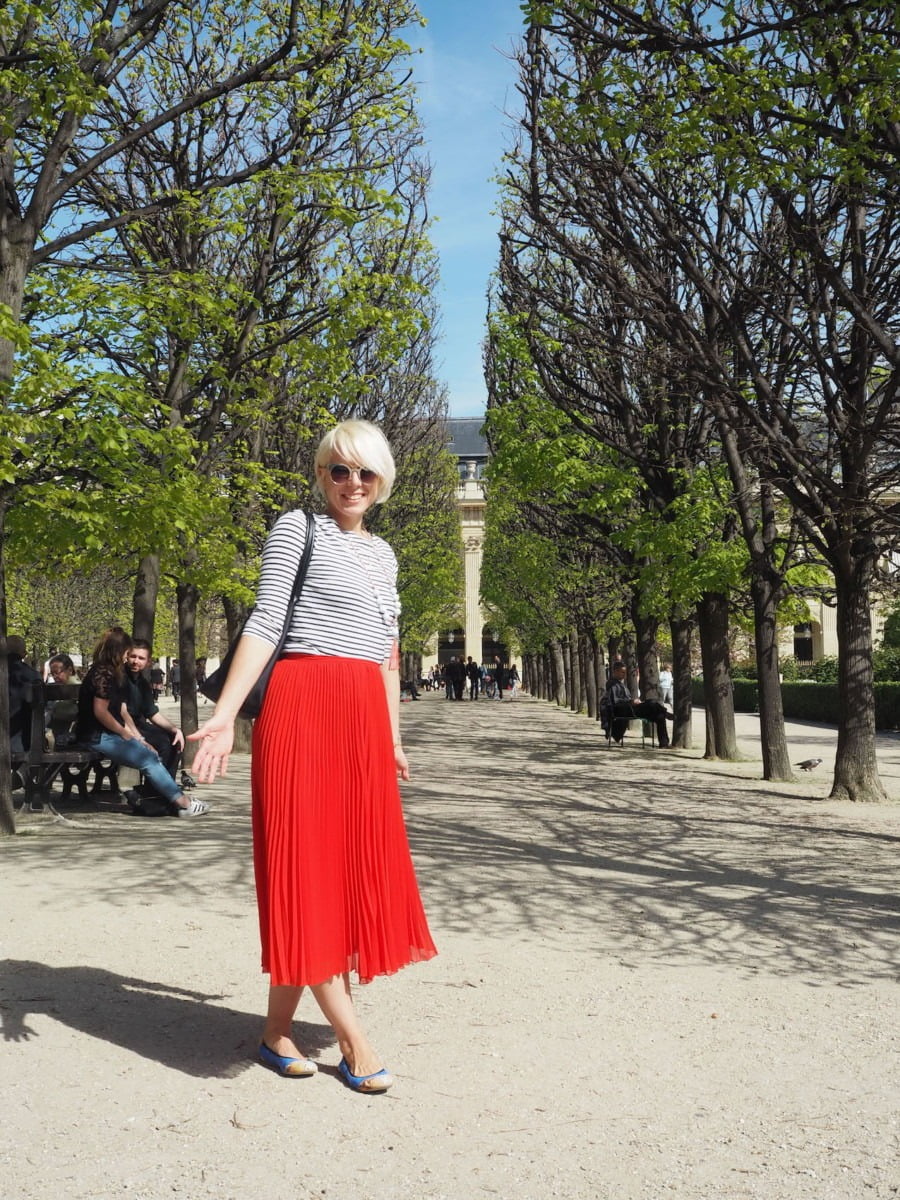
335	884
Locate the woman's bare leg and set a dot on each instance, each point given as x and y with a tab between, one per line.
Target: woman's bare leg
336	1002
277	1032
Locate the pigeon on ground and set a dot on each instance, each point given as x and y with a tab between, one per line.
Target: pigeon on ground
809	763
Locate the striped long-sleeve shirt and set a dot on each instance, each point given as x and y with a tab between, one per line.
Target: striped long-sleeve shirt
349	604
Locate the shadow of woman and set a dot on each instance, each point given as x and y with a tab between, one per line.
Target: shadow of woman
174	1026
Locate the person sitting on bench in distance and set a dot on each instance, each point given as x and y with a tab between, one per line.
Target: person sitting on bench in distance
61	669
157	730
618	707
59	714
105	725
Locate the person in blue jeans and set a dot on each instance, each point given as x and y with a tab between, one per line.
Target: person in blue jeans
105	725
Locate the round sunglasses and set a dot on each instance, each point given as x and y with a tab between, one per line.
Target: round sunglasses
340	473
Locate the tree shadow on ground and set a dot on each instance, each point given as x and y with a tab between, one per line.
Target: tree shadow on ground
540	829
184	1030
517	833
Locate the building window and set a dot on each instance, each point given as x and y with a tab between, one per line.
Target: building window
803	642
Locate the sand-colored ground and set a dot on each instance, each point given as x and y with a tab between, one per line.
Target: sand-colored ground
658	977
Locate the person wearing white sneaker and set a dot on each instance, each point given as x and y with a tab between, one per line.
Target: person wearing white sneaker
105	725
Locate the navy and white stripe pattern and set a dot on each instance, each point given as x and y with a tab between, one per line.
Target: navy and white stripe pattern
349	604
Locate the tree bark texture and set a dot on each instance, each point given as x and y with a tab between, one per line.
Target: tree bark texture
7	811
712	623
856	768
681	632
146	595
559	672
646	630
588	647
187	597
235	615
599	671
773	739
576	694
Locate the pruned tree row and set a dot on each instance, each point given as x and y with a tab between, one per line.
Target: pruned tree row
213	243
695	324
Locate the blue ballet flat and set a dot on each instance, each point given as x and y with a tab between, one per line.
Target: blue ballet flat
291	1068
378	1081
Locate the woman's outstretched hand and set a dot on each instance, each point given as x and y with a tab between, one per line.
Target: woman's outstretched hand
401	762
216	738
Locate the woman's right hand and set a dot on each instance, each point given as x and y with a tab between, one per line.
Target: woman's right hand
216	738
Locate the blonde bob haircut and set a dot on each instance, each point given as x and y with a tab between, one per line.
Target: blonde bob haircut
358	444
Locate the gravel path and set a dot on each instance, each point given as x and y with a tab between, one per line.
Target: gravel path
657	977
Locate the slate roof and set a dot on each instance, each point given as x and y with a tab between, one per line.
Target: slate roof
465	438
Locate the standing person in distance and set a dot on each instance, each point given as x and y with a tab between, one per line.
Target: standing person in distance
665	684
335	884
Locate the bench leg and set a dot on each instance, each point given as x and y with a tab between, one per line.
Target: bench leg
105	770
74	777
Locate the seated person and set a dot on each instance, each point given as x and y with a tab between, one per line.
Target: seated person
59	715
61	669
20	676
618	707
165	738
105	725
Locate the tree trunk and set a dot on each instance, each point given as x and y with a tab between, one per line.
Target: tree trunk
187	596
15	255
682	686
759	522
646	629
712	623
599	670
559	672
773	739
146	594
571	671
235	615
7	811
576	692
588	646
856	768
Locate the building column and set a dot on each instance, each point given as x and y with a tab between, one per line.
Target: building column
474	620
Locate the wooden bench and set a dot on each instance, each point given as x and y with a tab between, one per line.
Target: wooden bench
59	754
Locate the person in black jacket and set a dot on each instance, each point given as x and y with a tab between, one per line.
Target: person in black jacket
165	738
20	676
618	707
473	670
455	672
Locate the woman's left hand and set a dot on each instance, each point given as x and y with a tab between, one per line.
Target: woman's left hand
401	762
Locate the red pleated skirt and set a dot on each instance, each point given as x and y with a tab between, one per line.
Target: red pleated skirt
335	882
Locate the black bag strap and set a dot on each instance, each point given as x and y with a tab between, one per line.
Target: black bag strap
302	568
303	565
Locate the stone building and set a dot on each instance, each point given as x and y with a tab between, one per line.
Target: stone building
473	637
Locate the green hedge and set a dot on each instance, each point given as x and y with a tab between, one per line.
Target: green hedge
804	700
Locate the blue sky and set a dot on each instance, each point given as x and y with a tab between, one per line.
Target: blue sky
466	85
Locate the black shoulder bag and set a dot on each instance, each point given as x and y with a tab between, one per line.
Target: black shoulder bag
213	685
